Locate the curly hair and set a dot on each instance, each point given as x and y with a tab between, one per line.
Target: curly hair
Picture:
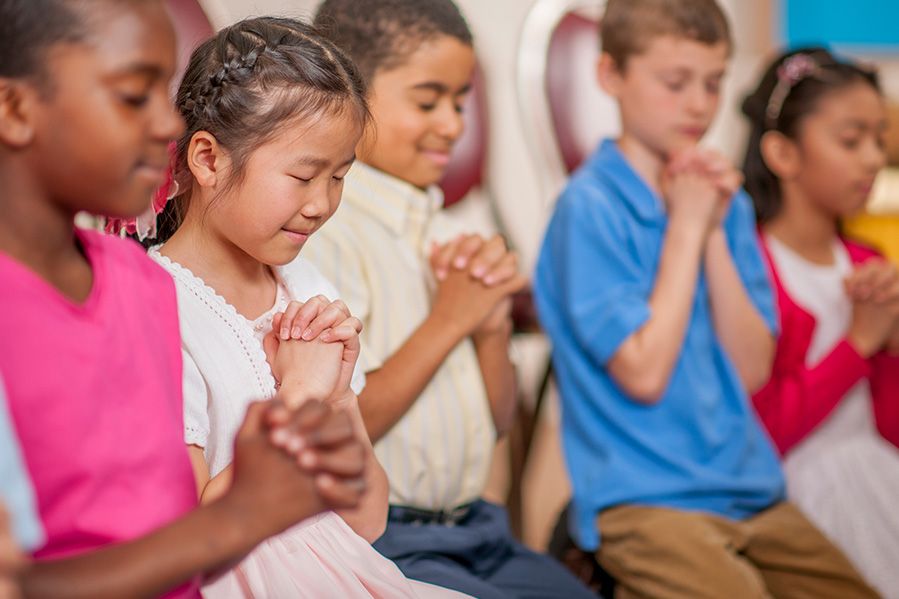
380	34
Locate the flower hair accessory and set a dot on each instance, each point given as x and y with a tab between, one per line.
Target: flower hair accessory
144	226
789	74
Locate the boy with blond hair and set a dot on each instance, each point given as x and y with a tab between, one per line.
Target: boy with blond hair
653	289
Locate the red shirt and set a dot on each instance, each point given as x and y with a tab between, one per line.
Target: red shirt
798	398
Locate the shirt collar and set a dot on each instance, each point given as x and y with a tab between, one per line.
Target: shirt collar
611	166
402	207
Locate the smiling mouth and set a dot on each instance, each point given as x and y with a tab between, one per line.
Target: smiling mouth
693	131
441	157
151	171
297	235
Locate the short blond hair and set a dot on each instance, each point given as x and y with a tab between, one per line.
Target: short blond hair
628	26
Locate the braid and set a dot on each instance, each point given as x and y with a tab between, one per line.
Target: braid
250	78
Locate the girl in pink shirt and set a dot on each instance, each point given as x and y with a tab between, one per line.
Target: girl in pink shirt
832	404
90	349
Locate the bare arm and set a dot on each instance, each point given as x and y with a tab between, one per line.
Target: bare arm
369	518
461	304
492	347
262	501
643	364
739	326
204	540
391	390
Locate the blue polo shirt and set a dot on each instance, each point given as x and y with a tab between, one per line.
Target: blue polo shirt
701	446
16	493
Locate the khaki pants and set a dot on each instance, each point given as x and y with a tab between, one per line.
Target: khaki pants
665	553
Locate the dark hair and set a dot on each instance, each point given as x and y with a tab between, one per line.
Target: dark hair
796	97
249	79
380	34
28	28
628	26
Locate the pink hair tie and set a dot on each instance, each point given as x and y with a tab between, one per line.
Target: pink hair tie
789	74
144	226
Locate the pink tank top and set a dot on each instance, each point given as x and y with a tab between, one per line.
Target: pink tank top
95	394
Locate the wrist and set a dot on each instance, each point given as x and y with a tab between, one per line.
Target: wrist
499	332
294	393
862	344
716	235
237	527
444	328
342	400
688	234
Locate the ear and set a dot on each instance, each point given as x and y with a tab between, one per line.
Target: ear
608	75
207	160
17	104
781	155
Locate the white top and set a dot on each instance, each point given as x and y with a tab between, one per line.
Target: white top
375	248
819	290
224	364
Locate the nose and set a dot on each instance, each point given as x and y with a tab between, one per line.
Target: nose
167	122
699	100
450	123
317	203
874	156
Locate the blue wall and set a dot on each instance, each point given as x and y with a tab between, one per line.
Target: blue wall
864	24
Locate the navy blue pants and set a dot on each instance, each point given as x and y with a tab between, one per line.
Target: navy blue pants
478	556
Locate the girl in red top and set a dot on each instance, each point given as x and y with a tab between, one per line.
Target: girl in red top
832	404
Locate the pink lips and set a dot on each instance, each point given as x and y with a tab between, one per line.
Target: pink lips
296	236
867	187
693	132
438	158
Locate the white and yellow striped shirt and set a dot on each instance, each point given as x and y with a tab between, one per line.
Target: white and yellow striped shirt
375	251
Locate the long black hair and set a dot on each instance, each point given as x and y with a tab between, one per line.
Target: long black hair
788	92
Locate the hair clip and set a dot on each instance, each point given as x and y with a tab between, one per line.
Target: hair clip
793	70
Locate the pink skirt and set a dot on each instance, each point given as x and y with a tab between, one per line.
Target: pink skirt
320	558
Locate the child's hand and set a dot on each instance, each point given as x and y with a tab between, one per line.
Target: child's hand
892	345
876	280
345	333
498	321
270	491
489	261
11	559
874	290
692	199
306	320
464	303
304	370
320	320
714	165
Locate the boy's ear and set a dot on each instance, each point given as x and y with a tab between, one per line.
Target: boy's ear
781	155
608	74
206	159
17	103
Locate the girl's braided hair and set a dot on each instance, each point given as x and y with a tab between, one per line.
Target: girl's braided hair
245	82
